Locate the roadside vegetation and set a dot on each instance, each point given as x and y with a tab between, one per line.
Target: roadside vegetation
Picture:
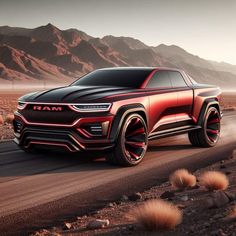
157	215
182	179
202	203
214	180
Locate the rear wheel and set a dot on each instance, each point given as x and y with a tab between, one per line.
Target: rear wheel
132	142
209	135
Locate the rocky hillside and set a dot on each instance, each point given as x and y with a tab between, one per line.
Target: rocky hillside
48	53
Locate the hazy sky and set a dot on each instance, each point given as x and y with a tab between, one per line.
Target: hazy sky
203	27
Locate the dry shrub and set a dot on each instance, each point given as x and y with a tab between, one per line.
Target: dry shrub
182	179
9	118
214	180
1	120
157	215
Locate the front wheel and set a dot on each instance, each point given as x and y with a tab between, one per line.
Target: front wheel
132	142
209	134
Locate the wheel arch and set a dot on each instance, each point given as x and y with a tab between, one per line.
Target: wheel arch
206	105
122	113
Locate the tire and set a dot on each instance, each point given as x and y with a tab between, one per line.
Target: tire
209	134
132	142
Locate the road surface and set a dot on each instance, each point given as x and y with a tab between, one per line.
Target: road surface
38	190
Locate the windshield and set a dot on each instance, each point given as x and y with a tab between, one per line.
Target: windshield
115	77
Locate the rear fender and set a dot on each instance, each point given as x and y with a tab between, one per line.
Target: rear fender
208	103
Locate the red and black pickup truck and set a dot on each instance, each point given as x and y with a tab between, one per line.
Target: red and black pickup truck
117	110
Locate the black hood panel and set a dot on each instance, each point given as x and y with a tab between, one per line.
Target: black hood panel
74	94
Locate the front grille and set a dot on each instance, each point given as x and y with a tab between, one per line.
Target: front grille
53	116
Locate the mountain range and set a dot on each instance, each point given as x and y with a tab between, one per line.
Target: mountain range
47	53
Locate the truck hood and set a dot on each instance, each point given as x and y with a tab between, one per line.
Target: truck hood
75	94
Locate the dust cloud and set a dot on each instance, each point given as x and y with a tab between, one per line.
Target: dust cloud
228	126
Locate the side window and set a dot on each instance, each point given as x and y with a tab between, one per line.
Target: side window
160	79
177	79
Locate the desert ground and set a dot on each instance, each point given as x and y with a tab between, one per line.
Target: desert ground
229	99
93	189
204	212
8	102
63	193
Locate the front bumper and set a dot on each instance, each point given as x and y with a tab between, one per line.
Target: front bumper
86	133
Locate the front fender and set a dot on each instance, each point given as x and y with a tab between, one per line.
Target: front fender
122	113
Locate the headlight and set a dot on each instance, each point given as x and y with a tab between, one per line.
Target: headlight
91	107
21	105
